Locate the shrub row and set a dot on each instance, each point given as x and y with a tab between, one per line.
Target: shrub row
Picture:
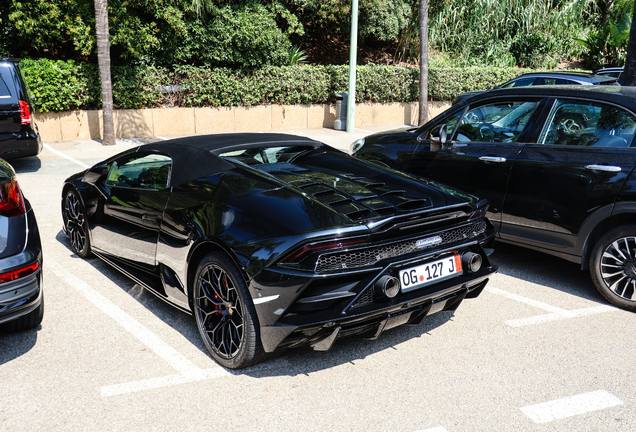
66	86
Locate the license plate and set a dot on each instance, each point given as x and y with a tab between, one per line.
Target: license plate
435	271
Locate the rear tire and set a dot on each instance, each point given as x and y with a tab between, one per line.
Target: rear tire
613	266
225	313
25	322
76	225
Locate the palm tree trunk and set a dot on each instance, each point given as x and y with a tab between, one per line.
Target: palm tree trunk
103	59
423	22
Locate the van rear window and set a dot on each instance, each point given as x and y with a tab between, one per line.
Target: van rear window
4	90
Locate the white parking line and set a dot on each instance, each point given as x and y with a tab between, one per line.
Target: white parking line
164	381
59	153
571	406
188	371
556	312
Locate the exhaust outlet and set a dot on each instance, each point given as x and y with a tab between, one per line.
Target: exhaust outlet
388	286
471	261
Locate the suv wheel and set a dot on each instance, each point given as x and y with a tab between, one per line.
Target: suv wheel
613	266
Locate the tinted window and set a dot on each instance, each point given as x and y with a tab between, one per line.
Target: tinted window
522	82
561	81
4	90
147	172
554	81
450	122
610	74
588	124
497	122
266	155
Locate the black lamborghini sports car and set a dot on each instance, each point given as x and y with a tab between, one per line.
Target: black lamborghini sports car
274	241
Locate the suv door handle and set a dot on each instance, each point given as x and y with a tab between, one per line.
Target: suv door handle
605	168
492	159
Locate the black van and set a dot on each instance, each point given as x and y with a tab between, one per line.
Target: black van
19	135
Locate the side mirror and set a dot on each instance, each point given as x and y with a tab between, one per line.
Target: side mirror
95	174
439	141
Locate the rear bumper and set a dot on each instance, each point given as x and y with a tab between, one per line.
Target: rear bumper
20	297
366	314
321	336
23	295
23	144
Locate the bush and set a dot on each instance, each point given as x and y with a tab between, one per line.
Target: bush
62	85
66	86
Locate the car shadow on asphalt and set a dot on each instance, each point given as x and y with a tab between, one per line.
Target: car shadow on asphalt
175	318
304	360
26	165
15	344
297	361
547	270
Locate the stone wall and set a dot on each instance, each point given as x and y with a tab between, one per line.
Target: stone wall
81	125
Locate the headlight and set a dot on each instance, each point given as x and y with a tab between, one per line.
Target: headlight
356	145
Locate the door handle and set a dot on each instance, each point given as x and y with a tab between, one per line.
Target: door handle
605	168
492	159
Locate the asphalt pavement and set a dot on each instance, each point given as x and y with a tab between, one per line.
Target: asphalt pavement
539	350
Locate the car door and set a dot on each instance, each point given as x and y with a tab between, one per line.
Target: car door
132	207
578	166
486	139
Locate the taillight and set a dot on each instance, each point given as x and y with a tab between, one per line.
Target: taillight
25	113
298	255
19	273
11	201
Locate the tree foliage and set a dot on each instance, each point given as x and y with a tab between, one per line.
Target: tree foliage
531	33
261	33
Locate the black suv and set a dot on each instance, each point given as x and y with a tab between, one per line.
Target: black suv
19	135
556	163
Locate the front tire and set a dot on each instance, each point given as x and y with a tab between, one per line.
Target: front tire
225	314
76	225
613	266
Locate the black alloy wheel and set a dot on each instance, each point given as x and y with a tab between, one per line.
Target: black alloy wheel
76	224
613	266
224	313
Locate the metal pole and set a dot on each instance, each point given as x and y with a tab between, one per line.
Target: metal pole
351	106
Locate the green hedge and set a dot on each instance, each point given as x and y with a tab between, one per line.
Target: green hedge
66	86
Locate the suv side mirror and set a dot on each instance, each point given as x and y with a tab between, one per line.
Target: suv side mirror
95	174
439	141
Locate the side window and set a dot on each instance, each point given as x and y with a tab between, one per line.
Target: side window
496	122
545	81
450	122
523	82
561	81
579	123
146	172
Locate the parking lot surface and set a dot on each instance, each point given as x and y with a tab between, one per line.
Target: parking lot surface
539	350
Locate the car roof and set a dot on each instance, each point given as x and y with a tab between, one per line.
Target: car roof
556	74
10	59
625	96
197	156
581	77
